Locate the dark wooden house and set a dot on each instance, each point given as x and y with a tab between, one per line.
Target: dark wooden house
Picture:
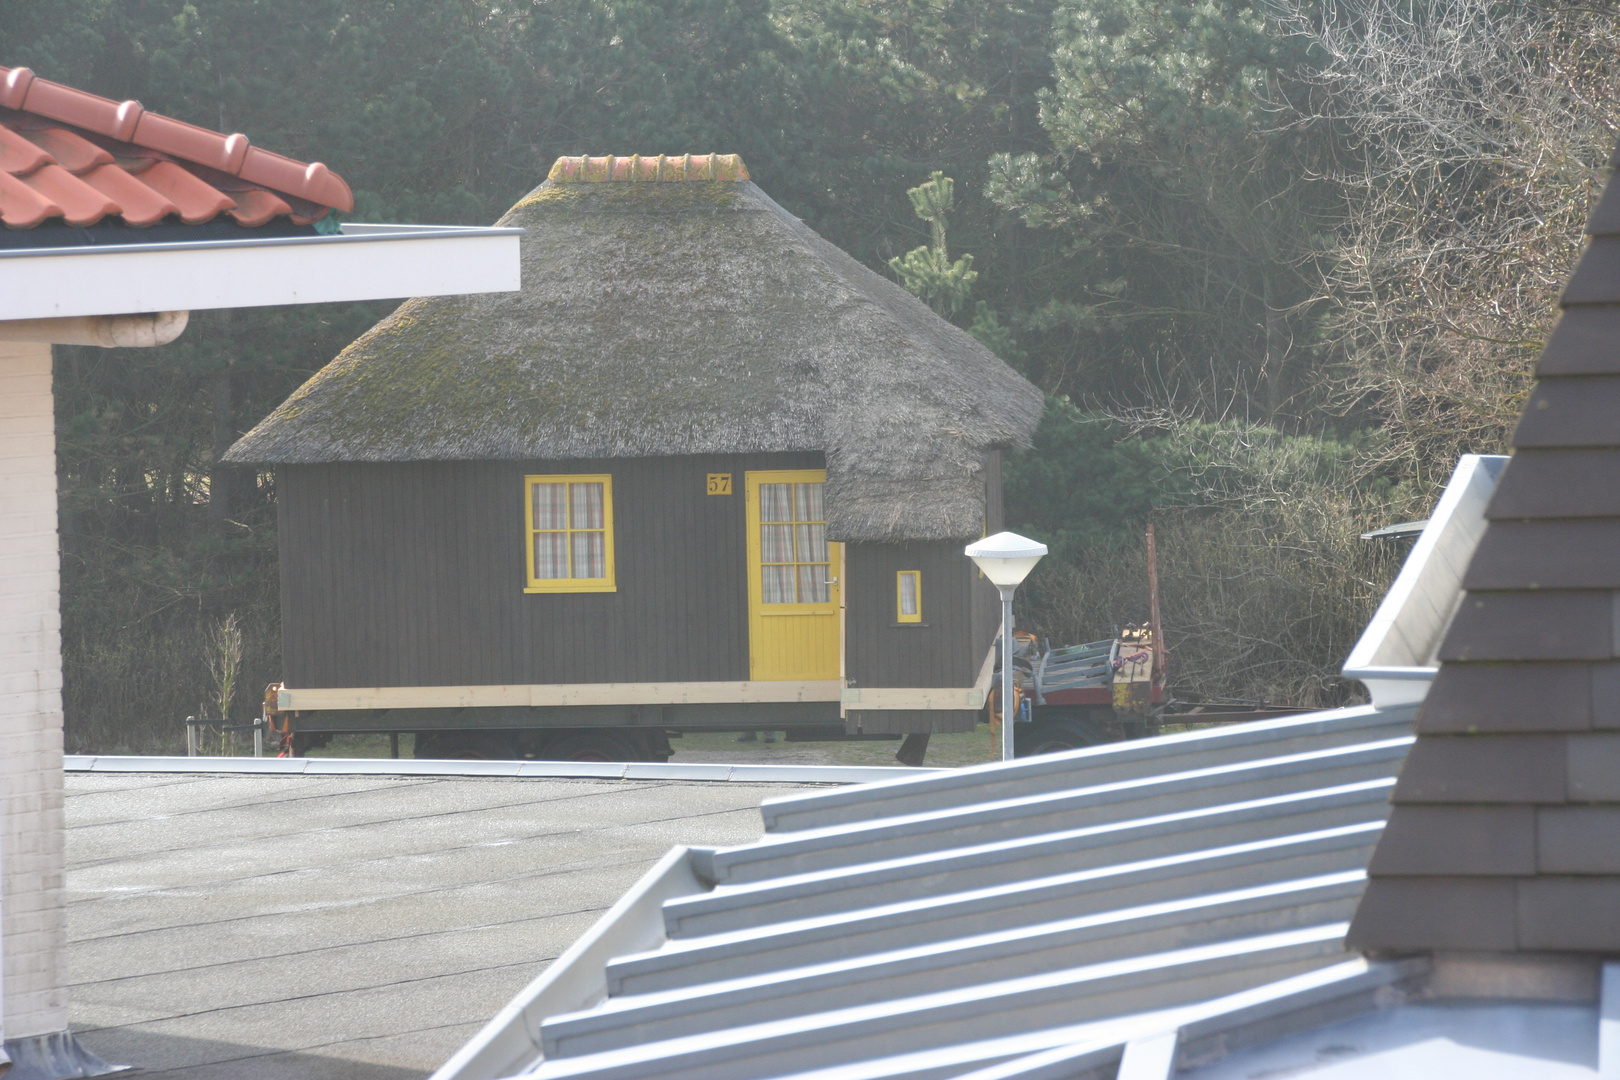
704	470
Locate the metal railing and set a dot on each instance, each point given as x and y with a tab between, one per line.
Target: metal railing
194	723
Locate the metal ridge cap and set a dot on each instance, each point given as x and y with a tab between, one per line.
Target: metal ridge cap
1096	837
926	908
860	1021
1180	743
1107	792
537	770
948	951
363	236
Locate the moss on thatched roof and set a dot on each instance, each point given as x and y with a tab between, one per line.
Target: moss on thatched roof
666	318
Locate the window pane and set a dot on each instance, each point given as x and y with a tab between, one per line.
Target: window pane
587	508
776	502
550	555
590	554
813	587
550	506
908	594
778	584
812	541
808	502
776	543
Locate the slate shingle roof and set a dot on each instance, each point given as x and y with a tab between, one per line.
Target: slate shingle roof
71	157
1505	834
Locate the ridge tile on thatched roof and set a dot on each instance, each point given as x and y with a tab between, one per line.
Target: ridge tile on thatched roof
677	318
648	167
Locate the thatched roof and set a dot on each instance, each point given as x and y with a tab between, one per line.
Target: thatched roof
662	316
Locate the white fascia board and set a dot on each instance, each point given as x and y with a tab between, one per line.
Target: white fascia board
365	262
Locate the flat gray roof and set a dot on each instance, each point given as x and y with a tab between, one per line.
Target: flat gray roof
341	926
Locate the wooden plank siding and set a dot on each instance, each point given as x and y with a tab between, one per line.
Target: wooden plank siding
412	574
881	652
961	615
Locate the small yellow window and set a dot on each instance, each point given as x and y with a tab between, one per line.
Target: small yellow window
570	533
908	596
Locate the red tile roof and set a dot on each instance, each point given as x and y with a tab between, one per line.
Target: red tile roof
594	170
70	155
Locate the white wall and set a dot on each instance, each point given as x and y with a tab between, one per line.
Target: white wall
33	934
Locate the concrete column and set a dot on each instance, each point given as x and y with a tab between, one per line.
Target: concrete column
33	932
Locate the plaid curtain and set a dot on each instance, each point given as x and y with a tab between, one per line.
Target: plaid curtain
550	555
587	506
572	518
550	505
590	554
777	584
908	594
793	534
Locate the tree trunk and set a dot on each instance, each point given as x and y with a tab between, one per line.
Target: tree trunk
1275	356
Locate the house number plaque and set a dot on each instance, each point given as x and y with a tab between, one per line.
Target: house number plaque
719	483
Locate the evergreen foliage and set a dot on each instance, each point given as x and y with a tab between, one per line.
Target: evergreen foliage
1275	263
928	271
1085	485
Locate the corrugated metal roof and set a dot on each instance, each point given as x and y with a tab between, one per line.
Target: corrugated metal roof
1000	911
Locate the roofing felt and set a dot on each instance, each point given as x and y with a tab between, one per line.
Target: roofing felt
71	158
355	927
670	307
1503	832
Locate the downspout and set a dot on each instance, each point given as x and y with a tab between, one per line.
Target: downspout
843	634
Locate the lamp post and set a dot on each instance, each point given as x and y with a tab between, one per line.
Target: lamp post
1006	559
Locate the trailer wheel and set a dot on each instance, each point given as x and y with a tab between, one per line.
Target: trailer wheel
595	746
466	746
1057	734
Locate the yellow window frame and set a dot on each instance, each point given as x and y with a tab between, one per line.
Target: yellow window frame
569	584
900	615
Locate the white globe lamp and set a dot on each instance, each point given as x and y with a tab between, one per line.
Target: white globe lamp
1006	559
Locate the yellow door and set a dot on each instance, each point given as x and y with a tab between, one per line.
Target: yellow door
793	578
